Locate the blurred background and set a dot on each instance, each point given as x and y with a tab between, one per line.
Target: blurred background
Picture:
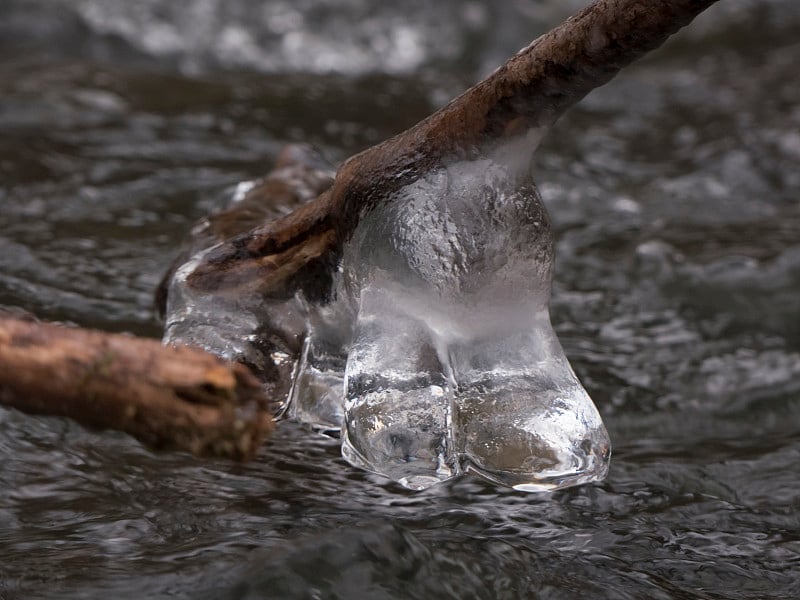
674	192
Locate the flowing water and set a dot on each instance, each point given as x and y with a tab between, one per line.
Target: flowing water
674	195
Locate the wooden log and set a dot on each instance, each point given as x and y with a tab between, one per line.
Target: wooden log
168	397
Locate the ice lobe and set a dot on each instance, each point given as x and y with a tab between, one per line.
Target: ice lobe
451	363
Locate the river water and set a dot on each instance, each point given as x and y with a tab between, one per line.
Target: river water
674	192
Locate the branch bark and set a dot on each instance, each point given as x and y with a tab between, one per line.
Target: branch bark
529	91
168	397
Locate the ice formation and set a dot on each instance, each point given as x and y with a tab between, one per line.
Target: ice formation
436	355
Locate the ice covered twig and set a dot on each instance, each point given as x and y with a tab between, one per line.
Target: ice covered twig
186	401
420	278
528	92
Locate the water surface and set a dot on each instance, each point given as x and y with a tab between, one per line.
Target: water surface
674	191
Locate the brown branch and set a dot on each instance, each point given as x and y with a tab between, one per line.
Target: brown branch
299	176
529	91
168	397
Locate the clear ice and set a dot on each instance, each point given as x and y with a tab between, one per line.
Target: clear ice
437	355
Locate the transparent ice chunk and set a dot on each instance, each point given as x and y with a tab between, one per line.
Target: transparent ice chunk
454	365
205	320
397	400
317	394
256	331
521	416
421	408
262	328
433	353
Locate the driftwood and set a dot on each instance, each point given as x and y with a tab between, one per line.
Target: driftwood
182	398
168	397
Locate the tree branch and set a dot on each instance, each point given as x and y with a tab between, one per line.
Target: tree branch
168	397
527	93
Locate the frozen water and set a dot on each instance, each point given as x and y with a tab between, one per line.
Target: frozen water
260	328
316	397
522	417
255	331
397	398
434	354
453	365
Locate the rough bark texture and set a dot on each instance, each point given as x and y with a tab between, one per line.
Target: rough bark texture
530	91
168	397
299	175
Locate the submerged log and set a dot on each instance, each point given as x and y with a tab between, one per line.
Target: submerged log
167	397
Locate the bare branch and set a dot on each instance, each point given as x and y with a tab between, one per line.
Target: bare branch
528	92
168	397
